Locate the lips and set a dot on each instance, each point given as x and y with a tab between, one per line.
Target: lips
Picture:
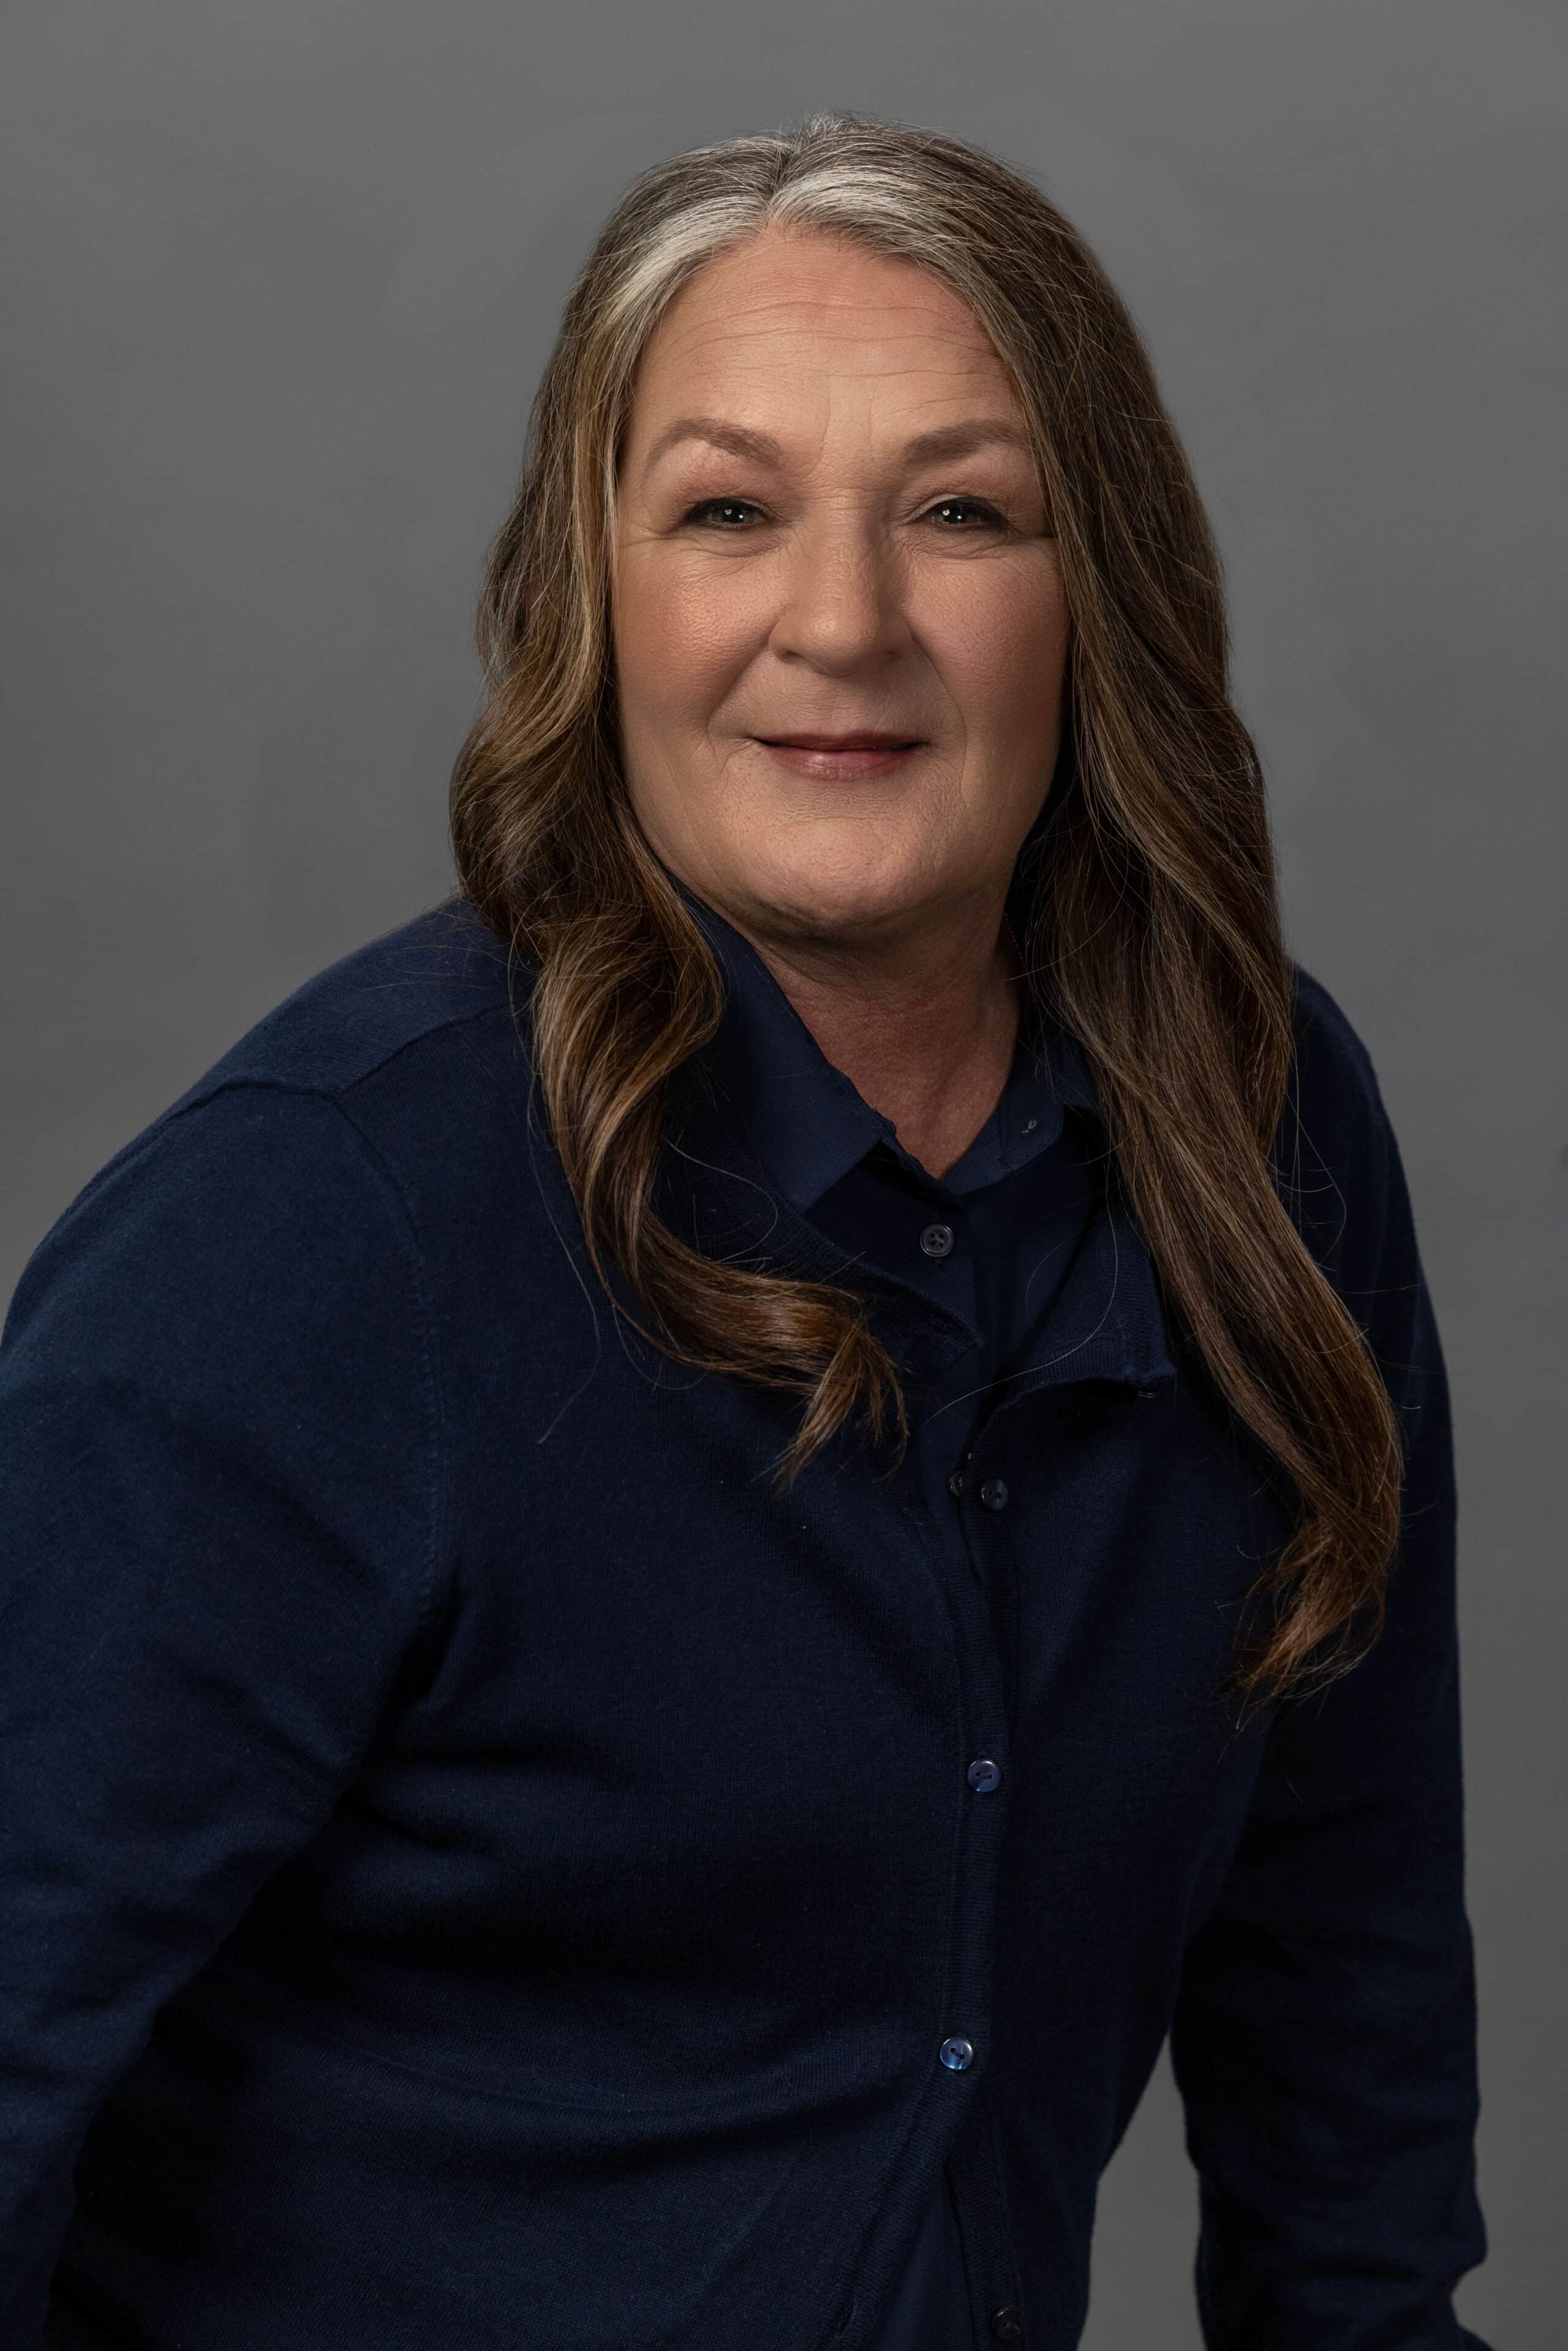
856	755
866	740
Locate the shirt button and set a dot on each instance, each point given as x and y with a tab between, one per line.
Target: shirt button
956	2053
994	1494
937	1240
982	1775
1007	2324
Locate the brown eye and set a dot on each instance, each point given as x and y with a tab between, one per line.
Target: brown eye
723	512
976	509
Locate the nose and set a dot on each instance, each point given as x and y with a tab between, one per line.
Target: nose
841	604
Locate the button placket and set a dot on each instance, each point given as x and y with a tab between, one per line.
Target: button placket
976	2182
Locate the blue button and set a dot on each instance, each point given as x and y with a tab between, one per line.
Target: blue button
956	2053
982	1775
994	1494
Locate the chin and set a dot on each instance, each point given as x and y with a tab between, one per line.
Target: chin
822	899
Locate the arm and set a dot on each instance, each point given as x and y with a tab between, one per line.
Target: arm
217	1540
1324	2034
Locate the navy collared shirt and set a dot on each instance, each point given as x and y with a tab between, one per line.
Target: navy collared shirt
485	1869
991	1241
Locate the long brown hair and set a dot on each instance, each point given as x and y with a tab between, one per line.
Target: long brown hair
1153	904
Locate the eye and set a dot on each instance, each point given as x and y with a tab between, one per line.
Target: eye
721	513
977	509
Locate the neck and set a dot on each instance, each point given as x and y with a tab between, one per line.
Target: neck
923	1027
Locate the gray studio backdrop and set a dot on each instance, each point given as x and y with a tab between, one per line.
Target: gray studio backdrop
278	279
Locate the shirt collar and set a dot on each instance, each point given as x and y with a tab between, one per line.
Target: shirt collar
809	1124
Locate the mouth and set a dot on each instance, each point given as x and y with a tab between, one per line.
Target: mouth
868	739
831	758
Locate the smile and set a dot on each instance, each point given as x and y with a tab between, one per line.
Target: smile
868	740
839	756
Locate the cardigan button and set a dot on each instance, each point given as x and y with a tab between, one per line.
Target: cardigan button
1007	2324
956	2053
982	1775
994	1494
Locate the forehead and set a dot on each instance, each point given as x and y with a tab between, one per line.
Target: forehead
788	312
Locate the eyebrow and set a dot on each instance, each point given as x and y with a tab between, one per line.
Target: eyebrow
944	441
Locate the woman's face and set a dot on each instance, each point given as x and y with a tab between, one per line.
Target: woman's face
829	528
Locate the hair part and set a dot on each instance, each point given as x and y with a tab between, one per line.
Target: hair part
1153	926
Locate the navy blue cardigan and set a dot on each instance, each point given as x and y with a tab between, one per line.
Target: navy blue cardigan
481	1871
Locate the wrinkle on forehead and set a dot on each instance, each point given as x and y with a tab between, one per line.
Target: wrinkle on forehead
885	319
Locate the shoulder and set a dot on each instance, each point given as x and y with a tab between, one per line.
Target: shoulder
1331	1058
298	1160
365	1044
443	970
1334	1154
235	1324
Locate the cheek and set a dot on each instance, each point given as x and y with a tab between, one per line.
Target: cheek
1001	654
678	644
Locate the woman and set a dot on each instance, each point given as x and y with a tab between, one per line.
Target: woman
709	1532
